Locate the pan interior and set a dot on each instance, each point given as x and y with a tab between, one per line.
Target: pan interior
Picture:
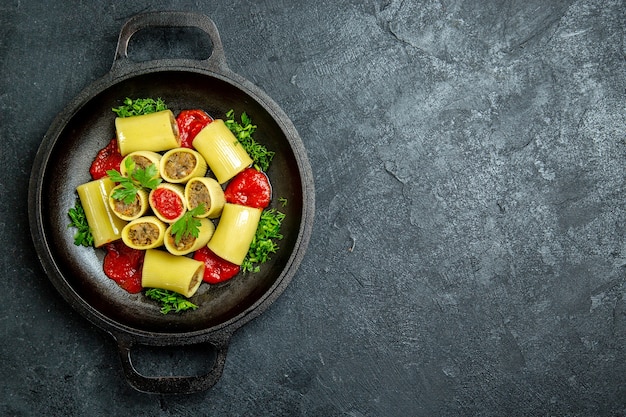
90	129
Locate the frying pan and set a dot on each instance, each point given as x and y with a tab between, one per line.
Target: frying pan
62	163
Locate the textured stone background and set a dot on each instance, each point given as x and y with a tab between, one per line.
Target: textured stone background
468	253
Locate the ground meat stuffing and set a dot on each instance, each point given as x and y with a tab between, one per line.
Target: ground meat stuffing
196	277
141	161
199	194
185	242
180	164
128	210
143	234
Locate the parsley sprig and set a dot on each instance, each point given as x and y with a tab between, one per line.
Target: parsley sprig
188	224
264	241
170	300
139	106
243	132
78	219
137	179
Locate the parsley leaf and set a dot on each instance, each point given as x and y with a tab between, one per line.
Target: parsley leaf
188	224
170	300
78	219
139	106
263	244
243	132
137	179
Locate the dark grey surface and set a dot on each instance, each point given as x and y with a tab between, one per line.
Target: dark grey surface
468	253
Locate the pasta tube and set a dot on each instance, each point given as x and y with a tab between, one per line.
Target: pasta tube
131	211
170	272
207	191
144	233
180	164
222	151
188	244
141	159
149	132
234	232
168	202
105	226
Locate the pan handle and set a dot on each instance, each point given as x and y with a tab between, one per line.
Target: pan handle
171	384
171	19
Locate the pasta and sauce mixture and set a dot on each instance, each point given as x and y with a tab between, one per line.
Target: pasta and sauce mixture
174	201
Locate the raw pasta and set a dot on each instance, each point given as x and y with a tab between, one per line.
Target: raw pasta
207	191
181	164
170	272
130	211
221	150
149	132
234	232
104	224
145	232
141	159
189	244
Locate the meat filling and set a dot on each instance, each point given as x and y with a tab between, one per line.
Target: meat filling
196	277
180	164
185	242
199	194
141	161
143	234
128	210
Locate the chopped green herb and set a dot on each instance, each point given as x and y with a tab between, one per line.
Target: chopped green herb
139	106
188	224
243	132
282	201
263	244
83	235
170	300
137	179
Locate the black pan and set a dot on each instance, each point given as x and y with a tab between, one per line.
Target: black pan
62	163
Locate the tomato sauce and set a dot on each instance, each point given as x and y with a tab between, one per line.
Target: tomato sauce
107	158
250	187
216	269
168	203
190	123
123	265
